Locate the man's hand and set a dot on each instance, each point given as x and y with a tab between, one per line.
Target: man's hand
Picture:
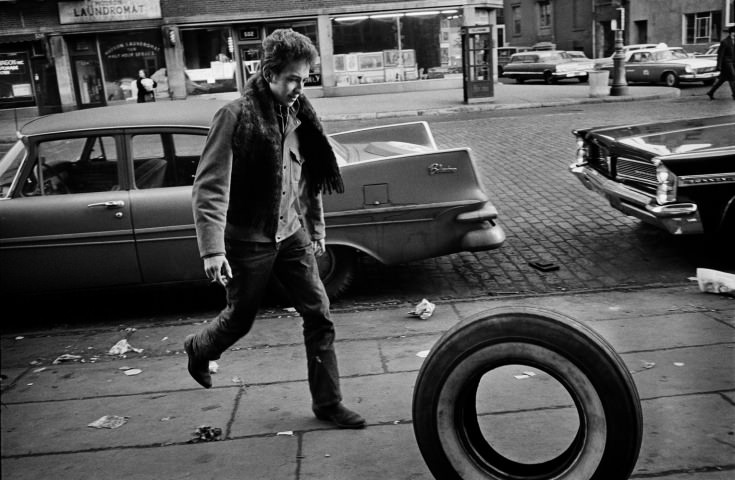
218	269
320	246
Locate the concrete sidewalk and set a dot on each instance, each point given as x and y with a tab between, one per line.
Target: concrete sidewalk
678	342
429	102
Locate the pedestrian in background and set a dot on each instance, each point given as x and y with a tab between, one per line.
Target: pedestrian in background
146	87
257	200
725	64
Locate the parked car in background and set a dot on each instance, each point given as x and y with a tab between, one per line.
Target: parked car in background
676	175
600	63
504	54
668	66
710	53
547	65
578	55
102	198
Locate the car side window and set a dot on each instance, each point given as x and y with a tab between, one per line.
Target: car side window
187	151
73	165
166	159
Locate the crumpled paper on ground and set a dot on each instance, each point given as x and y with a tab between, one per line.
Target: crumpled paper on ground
206	433
122	347
66	358
109	421
423	310
714	281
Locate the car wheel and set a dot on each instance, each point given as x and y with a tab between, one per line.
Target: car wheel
337	269
671	79
519	80
451	430
548	78
584	79
709	82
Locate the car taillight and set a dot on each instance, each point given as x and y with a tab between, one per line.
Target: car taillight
666	183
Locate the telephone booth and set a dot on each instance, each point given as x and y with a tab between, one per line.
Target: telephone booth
477	59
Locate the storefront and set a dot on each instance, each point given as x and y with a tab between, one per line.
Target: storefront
396	46
27	78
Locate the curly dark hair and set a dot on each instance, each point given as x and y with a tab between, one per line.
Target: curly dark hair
285	46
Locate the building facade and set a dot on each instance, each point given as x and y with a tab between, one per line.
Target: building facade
64	55
588	25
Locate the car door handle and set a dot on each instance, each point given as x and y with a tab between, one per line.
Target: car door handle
110	204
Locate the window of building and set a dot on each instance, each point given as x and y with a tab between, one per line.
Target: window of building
123	55
730	12
396	46
208	59
703	27
544	18
579	18
516	20
15	73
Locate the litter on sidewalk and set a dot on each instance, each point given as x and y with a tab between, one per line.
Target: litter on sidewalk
109	421
714	281
423	310
66	358
206	433
123	347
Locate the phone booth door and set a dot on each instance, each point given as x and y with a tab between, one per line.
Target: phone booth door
477	59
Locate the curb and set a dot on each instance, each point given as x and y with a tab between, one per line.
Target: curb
492	107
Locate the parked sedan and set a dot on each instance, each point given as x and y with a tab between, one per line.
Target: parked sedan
547	65
677	175
668	66
102	198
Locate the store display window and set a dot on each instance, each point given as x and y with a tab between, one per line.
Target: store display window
209	62
15	78
124	55
410	45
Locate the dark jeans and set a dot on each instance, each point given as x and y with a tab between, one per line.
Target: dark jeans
728	77
294	265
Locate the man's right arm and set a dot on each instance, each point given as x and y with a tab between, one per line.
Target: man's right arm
211	188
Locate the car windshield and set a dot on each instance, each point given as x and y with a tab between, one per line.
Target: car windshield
669	55
9	165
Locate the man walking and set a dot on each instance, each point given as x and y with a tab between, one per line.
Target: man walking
725	64
258	211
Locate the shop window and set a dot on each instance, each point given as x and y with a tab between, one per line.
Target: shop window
15	78
413	45
208	58
702	27
123	55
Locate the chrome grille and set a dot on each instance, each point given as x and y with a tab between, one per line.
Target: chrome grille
636	170
706	69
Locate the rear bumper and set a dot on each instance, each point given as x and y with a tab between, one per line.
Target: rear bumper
677	219
486	234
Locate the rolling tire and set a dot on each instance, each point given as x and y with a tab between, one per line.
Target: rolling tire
549	78
708	82
607	443
671	79
337	269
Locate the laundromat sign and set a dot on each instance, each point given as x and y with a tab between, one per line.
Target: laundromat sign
91	11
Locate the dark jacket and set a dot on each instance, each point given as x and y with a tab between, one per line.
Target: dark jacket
240	183
142	91
726	59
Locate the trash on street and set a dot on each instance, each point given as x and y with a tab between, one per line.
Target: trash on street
109	421
67	357
132	371
123	347
714	281
423	310
206	433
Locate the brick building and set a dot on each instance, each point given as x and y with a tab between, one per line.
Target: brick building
586	24
62	55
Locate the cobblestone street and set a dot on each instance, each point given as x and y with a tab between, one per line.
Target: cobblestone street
547	214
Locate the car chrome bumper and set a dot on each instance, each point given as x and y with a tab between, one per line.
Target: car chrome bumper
570	74
677	219
695	77
488	235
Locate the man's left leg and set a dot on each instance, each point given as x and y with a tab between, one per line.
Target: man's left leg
297	270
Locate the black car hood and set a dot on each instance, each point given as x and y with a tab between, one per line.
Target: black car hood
676	137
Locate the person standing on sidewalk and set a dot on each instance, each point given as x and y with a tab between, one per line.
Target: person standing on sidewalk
725	64
146	87
258	211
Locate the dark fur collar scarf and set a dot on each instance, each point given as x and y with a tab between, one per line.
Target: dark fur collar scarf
255	188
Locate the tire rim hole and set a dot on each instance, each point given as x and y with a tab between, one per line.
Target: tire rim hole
526	416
